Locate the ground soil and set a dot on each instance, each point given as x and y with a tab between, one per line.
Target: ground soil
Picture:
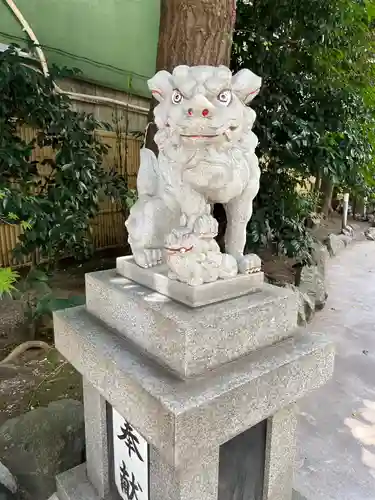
37	377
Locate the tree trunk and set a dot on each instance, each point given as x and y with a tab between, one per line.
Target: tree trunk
317	182
192	32
355	205
195	32
326	191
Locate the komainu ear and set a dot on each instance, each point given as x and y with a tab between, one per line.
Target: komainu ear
160	85
246	85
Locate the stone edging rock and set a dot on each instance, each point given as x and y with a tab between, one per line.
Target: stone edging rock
370	233
311	280
39	444
335	243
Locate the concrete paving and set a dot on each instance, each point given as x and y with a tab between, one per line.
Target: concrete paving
337	423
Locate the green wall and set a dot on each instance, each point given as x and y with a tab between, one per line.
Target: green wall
113	42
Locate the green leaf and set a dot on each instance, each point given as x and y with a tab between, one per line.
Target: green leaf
8	278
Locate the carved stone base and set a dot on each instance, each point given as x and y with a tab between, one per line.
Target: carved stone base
156	278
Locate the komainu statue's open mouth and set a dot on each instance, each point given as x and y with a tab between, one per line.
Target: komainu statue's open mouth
209	136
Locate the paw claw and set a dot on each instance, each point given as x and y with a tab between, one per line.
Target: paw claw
249	264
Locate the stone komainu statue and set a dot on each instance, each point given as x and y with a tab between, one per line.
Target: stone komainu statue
206	156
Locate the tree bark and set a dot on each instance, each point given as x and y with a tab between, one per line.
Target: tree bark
195	32
192	32
317	182
355	205
327	192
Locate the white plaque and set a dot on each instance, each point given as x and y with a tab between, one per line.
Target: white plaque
130	459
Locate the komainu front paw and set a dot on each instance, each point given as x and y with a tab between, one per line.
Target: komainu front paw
249	264
148	258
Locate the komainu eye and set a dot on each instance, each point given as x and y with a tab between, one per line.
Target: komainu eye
225	96
177	97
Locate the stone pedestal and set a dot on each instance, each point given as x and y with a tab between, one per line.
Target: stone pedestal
211	389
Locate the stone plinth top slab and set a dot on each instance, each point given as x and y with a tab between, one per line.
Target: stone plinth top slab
183	419
156	278
191	341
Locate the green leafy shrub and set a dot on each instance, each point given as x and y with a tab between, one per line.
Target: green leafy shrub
316	107
315	112
55	209
279	217
58	207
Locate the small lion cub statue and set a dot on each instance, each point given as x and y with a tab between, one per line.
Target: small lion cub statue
194	257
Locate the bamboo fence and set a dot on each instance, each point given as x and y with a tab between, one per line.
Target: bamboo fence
107	228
